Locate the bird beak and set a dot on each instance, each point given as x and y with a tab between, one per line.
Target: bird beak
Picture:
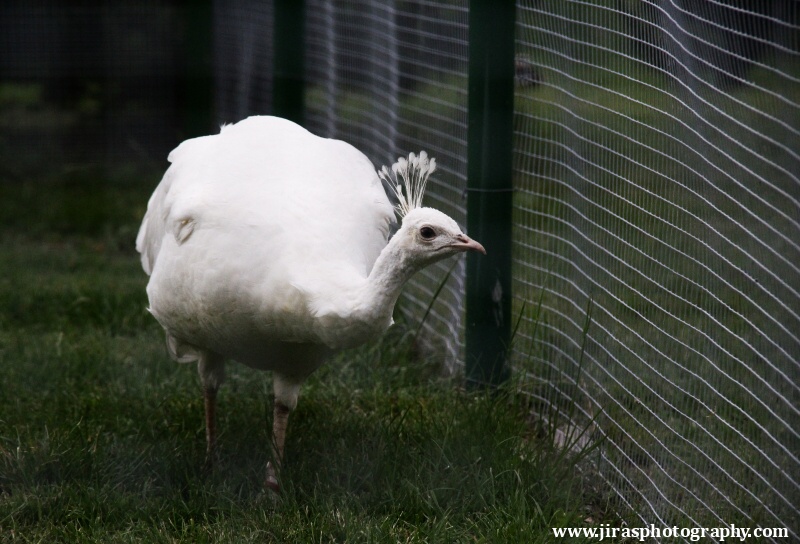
465	243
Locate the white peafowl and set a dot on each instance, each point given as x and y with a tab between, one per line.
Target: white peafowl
269	245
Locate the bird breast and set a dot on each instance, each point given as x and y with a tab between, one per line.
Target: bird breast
238	307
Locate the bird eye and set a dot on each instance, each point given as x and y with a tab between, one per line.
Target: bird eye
427	233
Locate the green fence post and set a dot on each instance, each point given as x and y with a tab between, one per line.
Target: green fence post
489	189
288	92
196	87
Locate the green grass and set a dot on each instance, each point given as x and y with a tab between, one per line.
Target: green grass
102	438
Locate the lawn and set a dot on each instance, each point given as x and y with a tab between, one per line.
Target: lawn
102	438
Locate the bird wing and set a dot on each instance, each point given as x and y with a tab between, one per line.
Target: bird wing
156	218
268	172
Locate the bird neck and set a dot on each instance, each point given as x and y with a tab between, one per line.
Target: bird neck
390	272
365	312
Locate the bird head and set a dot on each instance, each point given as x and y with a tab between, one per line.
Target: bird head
426	235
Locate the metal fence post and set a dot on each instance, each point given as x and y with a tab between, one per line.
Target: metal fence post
489	186
196	86
288	93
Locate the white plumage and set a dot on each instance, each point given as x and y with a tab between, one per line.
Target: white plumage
268	245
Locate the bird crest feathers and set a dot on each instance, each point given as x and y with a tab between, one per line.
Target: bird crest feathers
411	173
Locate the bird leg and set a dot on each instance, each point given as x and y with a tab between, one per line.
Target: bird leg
280	422
210	404
211	368
286	389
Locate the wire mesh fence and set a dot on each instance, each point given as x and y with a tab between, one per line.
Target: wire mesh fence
243	56
391	79
656	214
657	175
656	224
